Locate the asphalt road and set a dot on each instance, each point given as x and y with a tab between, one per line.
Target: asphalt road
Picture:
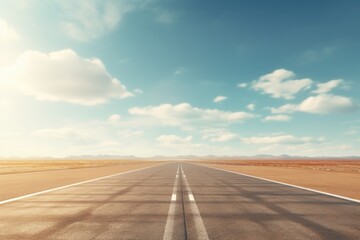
180	201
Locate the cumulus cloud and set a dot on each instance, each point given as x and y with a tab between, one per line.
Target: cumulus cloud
280	139
279	118
280	84
184	114
219	135
320	104
219	99
9	39
328	86
65	76
225	137
327	103
85	20
7	33
242	85
251	107
114	118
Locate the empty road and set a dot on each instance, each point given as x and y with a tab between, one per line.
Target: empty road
180	201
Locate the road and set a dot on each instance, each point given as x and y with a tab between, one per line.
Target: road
180	201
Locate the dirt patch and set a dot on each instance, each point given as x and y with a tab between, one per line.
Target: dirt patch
340	177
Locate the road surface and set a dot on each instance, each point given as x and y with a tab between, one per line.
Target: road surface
179	201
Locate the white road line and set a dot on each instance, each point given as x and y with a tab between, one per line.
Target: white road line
169	227
199	224
191	197
287	184
72	185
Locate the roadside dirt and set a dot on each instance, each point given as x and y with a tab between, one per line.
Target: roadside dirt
24	166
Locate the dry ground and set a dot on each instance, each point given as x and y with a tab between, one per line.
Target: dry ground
20	177
340	177
23	166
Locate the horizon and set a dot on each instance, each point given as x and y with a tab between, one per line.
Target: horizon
180	157
148	78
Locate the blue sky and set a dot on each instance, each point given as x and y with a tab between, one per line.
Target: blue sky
184	77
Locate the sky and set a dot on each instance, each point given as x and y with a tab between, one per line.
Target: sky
189	77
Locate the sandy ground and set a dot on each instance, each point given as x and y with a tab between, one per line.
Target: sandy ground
23	166
18	178
337	177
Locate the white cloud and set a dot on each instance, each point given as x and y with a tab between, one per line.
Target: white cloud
173	139
184	114
251	106
328	86
321	104
242	85
219	99
280	139
9	39
65	76
114	117
279	118
219	135
7	33
64	133
327	103
138	91
85	20
280	84
287	108
180	145
225	137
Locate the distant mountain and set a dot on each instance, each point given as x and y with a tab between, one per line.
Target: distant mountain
105	157
182	157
